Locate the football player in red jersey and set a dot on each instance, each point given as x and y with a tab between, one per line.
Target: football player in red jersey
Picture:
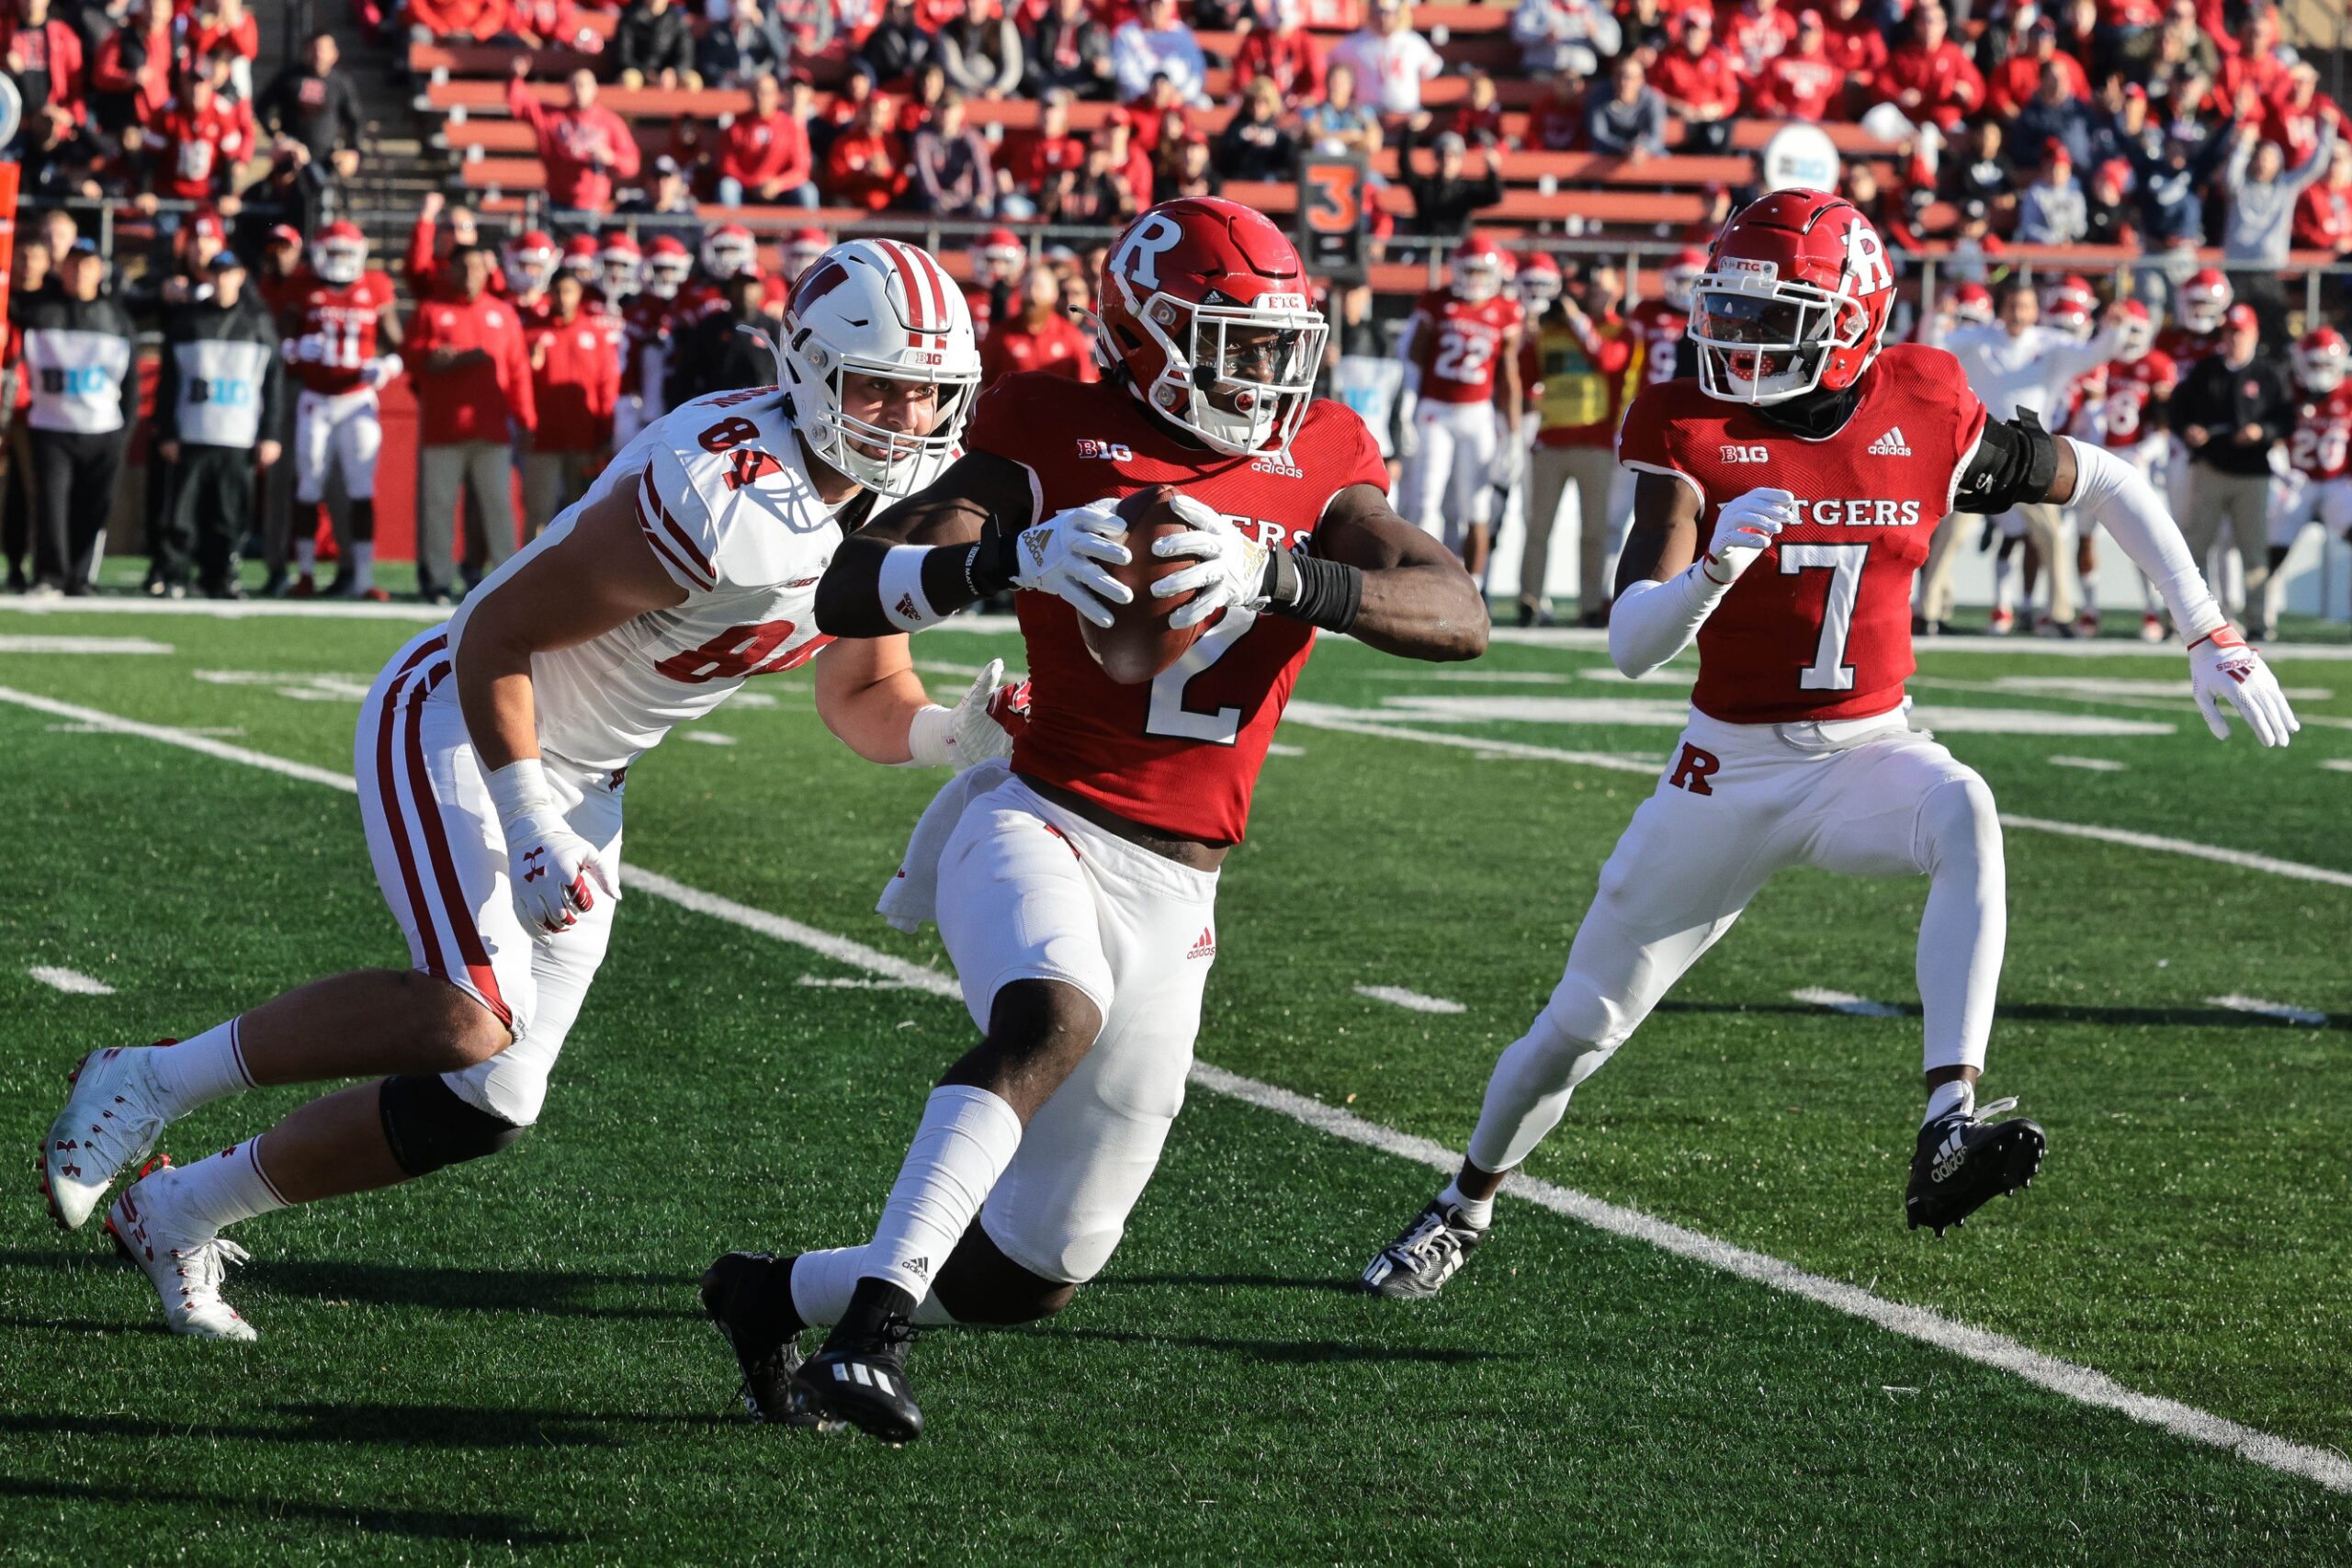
1784	503
2320	450
648	320
342	347
2130	418
1462	402
1076	891
1660	322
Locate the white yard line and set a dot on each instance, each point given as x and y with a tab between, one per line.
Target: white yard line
82	645
1412	1001
73	982
2091	764
707	737
2064	1378
2336	764
850	983
1846	1002
2276	867
2261	1009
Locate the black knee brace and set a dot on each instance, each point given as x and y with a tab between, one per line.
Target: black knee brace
428	1126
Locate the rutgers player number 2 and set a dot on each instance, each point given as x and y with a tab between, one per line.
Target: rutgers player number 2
1169	715
1829	672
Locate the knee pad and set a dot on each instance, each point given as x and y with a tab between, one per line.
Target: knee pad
428	1126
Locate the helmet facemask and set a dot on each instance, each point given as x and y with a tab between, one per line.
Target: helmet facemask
665	274
1476	279
2321	369
1680	283
340	261
1244	374
620	274
1764	341
886	461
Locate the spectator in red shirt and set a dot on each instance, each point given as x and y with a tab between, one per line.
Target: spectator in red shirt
1857	47
1800	81
1756	32
575	384
1929	77
227	24
763	156
553	24
473	377
1700	82
2017	78
868	167
2293	119
1556	123
459	21
131	78
1040	338
44	54
2324	212
586	149
1478	119
1285	53
1024	178
204	139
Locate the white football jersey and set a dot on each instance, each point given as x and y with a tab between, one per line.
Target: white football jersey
726	503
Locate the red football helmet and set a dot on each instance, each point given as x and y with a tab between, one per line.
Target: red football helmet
2321	358
801	248
1971	305
998	254
1205	310
1795	300
1476	269
341	254
584	259
530	261
2139	332
729	251
668	264
1538	281
622	257
1681	276
2070	305
2205	299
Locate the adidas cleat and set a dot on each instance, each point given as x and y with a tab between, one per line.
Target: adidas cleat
1964	1162
109	1123
860	1377
1417	1265
186	1267
748	1297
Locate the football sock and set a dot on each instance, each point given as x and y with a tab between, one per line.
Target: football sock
1479	1211
823	1284
220	1190
2005	580
197	1072
363	567
306	556
2090	595
1950	1099
1965	925
967	1139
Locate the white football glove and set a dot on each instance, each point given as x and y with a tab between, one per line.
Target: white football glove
311	348
1744	528
1510	457
2222	668
1064	556
1231	573
381	370
976	729
1408	438
553	874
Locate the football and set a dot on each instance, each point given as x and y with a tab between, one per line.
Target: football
1139	643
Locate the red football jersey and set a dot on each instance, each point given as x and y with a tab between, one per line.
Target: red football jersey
2321	447
1181	754
1819	627
1660	327
1467	344
335	330
646	319
2185	349
2132	385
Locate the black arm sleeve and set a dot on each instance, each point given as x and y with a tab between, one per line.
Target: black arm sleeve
2015	463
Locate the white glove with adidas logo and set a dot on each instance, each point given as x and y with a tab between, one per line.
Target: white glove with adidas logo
1745	529
1064	556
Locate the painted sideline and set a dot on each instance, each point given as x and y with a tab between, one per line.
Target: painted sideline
2065	1378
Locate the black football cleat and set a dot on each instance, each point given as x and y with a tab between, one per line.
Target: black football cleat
748	1297
1424	1256
860	1374
1964	1162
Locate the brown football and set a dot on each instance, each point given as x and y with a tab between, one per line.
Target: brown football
1139	643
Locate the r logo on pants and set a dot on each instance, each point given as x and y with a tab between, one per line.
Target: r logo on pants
1693	768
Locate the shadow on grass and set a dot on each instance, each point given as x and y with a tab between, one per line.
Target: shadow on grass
1351	1286
394	1425
2052	1013
421	1523
1280	1352
546	1291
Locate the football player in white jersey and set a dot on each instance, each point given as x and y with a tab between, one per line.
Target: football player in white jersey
491	756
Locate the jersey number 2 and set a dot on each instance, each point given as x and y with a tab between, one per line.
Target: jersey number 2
1168	714
1829	672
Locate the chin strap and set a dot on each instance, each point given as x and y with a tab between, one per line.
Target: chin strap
1815	415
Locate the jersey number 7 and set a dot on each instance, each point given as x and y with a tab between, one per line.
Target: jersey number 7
1829	672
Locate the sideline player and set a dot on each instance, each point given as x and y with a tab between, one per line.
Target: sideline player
2320	453
2131	416
1462	390
1800	749
1076	893
492	754
343	346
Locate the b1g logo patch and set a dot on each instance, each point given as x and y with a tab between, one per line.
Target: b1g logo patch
1747	455
1109	451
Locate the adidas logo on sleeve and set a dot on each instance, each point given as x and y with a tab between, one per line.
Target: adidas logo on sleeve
1890	444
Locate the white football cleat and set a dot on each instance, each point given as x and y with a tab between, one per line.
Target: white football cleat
109	1124
185	1266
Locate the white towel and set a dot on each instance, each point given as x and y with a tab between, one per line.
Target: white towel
912	895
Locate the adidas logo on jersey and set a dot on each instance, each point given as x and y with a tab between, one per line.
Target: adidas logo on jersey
1206	947
1890	444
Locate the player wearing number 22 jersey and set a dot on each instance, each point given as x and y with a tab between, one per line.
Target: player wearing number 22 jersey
1075	888
1784	501
492	757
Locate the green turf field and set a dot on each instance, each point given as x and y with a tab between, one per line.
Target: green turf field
508	1358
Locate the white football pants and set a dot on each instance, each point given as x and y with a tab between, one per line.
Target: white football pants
1445	486
341	433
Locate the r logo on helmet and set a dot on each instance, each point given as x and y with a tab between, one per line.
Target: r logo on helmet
1866	268
1153	236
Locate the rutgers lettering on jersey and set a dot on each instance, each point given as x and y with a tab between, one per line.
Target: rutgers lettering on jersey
2321	447
337	335
1466	344
1820	627
1181	754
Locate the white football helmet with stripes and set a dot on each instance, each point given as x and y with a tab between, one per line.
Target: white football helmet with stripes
887	309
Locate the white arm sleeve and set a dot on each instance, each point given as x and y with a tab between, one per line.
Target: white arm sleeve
2111	492
1652	621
